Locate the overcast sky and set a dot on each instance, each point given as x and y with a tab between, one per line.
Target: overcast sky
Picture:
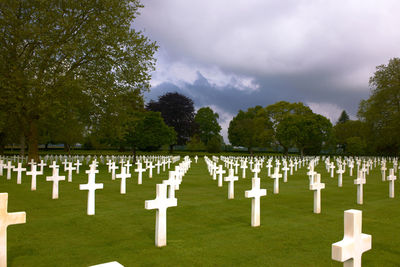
236	54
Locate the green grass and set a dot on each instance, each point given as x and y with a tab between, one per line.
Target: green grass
205	229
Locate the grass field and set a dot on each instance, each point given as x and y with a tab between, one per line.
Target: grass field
205	229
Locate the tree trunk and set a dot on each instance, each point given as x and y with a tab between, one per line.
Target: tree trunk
286	151
171	148
121	148
67	148
302	151
251	151
46	146
33	150
22	144
134	154
2	143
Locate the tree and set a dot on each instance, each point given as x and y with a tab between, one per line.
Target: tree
381	111
343	117
251	128
207	124
355	146
147	131
278	113
82	50
349	129
195	144
214	144
178	112
307	132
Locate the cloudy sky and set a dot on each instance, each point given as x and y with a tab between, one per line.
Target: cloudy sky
236	54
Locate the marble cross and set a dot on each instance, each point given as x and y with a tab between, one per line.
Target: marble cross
354	243
231	178
77	164
151	167
19	171
69	169
33	172
123	176
7	219
113	167
340	172
276	177
360	181
317	186
391	178
9	168
139	170
220	172
285	170
91	186
244	167
41	165
55	178
255	193
161	203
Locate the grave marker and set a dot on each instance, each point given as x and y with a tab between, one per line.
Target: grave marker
255	193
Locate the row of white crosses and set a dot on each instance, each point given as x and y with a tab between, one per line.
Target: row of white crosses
165	199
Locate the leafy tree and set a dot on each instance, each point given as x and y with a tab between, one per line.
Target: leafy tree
278	113
207	124
306	132
381	112
82	50
214	144
195	144
147	131
348	129
355	146
343	117
251	128
178	112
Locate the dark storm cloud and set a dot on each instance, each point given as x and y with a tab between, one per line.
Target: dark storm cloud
233	55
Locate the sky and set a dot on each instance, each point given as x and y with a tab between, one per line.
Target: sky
234	54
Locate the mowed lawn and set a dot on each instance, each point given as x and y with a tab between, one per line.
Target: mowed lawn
205	229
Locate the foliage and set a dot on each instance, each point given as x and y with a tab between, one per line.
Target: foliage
53	51
344	117
279	112
195	144
251	128
214	144
147	131
355	146
381	112
348	129
207	124
178	112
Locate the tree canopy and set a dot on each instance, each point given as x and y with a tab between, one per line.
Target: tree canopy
177	111
54	51
381	111
207	124
343	117
250	129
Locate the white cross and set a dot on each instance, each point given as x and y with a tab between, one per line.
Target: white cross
113	168
196	158
123	176
41	165
391	178
244	167
158	165
332	167
65	163
172	183
231	178
1	167
70	168
255	193
256	170
269	166
161	203
9	167
359	182
354	243
55	178
276	177
139	170
151	167
109	163
7	219
383	171
220	172
34	173
291	167
19	171
285	169
317	186
91	186
77	164
340	171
